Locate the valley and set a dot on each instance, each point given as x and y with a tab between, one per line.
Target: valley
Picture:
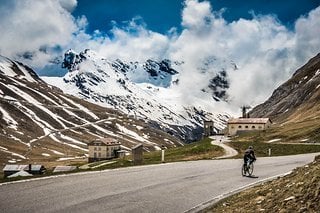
154	106
41	123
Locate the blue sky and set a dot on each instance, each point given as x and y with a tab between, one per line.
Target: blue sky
162	15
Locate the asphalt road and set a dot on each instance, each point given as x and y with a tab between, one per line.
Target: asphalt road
170	187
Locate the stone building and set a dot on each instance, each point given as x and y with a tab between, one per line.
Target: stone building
208	128
236	125
103	149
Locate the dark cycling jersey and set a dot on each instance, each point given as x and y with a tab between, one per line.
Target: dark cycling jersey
249	155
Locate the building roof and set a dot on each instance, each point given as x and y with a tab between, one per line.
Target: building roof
18	167
137	146
249	120
14	167
104	142
64	168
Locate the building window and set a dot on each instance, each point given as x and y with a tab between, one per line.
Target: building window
99	148
240	127
99	154
95	148
95	155
247	127
260	127
232	127
253	127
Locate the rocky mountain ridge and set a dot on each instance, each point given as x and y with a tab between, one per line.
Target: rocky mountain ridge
300	91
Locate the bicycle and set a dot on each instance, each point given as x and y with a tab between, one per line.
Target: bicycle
247	168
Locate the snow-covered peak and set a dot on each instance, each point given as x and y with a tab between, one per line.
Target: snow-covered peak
146	90
158	73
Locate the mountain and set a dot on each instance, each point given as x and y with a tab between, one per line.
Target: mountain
40	123
148	90
295	105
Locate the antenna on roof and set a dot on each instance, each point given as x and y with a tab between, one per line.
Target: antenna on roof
244	111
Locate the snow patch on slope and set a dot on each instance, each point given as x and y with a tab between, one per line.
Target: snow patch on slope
8	119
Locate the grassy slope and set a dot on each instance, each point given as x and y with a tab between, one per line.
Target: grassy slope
302	124
195	151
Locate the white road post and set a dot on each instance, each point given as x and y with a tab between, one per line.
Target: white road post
162	153
269	151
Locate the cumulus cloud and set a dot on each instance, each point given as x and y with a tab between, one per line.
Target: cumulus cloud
265	51
32	29
306	30
134	43
195	15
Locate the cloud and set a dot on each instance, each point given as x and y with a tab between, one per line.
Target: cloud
69	5
306	30
195	15
134	43
34	29
265	51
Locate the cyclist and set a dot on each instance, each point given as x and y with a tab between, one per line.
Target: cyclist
249	156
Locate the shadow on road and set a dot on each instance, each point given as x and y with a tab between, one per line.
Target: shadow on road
251	176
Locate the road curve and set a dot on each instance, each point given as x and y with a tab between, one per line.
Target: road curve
170	187
222	141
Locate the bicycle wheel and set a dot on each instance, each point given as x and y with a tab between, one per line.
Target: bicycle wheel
250	169
243	170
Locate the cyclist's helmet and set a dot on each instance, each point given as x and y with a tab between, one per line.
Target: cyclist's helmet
250	147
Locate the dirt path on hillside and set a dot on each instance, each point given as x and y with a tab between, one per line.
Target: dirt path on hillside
222	142
59	131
